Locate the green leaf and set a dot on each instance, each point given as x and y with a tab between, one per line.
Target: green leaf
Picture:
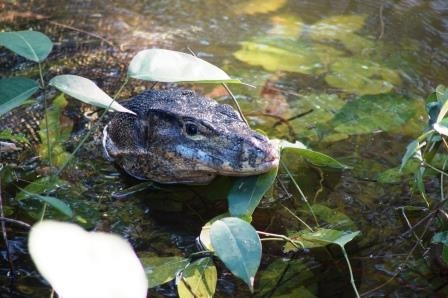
287	25
52	201
336	26
328	236
373	113
39	186
440	237
253	7
238	246
287	278
316	158
198	279
361	76
56	133
341	29
204	236
160	270
333	217
14	91
442	97
32	45
280	54
162	65
85	90
411	149
7	134
247	192
319	238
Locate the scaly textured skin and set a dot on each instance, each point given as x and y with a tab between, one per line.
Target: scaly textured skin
181	137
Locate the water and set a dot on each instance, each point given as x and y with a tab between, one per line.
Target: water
409	37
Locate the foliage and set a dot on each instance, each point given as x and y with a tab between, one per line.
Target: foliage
230	237
14	91
430	151
317	51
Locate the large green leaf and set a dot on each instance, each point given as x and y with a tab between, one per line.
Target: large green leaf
247	192
238	246
286	278
369	114
314	157
412	149
14	91
198	279
32	45
341	29
327	236
280	54
162	65
361	76
53	202
336	26
160	270
87	91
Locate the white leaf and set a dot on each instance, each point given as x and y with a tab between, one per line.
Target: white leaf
162	65
86	264
87	91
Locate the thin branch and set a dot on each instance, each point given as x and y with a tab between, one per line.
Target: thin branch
83	31
14	221
381	22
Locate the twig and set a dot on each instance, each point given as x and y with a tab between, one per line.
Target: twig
300	191
381	21
82	31
403	212
14	221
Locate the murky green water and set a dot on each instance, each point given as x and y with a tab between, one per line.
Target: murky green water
402	43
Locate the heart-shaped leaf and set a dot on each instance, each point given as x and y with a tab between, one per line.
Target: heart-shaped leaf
32	45
198	279
81	264
238	246
162	65
14	91
87	91
160	270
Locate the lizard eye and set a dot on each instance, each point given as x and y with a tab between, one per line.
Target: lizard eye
191	129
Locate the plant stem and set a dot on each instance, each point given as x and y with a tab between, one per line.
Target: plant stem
44	90
281	237
300	191
352	279
236	103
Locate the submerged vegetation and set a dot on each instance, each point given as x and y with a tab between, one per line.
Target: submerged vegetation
272	253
